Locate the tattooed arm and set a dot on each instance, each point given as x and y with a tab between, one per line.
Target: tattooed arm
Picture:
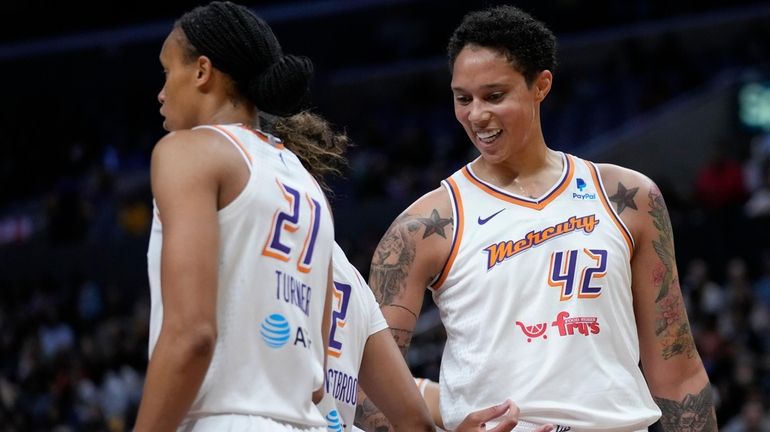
389	387
670	362
407	258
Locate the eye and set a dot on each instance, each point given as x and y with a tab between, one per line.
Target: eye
462	99
494	97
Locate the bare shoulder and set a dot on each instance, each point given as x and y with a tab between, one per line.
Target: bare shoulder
414	248
191	144
200	151
429	218
437	199
635	197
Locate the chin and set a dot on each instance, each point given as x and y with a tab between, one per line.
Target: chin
169	125
496	158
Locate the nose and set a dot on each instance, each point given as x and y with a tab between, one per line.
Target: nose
162	96
477	112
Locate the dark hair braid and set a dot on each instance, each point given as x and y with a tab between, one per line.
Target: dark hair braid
243	46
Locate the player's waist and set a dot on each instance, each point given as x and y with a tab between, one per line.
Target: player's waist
525	426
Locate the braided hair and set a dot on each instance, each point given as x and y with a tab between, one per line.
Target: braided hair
242	45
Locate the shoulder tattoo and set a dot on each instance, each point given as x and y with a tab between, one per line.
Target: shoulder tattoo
434	224
624	198
396	252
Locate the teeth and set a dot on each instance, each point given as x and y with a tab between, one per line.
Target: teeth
488	135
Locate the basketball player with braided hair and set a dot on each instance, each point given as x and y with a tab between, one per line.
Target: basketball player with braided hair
240	253
555	277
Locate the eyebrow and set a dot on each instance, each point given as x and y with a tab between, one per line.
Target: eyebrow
492	86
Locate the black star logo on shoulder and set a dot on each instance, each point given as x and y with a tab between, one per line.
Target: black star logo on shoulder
624	198
434	224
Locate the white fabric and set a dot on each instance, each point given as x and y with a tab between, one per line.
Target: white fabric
242	423
559	341
269	353
355	317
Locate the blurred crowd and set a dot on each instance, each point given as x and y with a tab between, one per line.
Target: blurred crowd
73	338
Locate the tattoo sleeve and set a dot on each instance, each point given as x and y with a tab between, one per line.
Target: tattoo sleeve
694	413
396	253
671	326
392	259
369	417
403	339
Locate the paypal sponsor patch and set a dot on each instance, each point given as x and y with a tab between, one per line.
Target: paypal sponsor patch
583	191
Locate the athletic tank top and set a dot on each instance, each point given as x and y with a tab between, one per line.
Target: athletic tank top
537	304
355	316
275	245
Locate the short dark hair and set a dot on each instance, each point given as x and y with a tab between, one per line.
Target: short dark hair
526	42
242	45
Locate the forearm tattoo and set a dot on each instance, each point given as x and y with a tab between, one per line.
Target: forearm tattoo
671	326
624	198
694	413
370	418
403	339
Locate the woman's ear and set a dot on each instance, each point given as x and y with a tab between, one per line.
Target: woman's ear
204	70
543	84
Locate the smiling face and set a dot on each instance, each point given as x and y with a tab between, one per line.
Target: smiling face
492	101
178	95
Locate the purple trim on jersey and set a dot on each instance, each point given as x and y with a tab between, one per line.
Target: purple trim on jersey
453	197
492	188
619	222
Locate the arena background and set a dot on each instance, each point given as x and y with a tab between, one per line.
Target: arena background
678	90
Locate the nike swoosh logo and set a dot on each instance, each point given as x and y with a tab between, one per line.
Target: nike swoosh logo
485	220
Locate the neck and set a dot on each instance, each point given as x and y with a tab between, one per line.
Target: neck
528	162
529	173
229	114
228	110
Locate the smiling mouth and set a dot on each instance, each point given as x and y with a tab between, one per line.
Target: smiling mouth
488	136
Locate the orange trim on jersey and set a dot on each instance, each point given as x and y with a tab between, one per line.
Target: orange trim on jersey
533	204
236	141
261	135
615	218
458	205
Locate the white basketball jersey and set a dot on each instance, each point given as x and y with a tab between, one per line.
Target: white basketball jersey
275	245
355	316
537	304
